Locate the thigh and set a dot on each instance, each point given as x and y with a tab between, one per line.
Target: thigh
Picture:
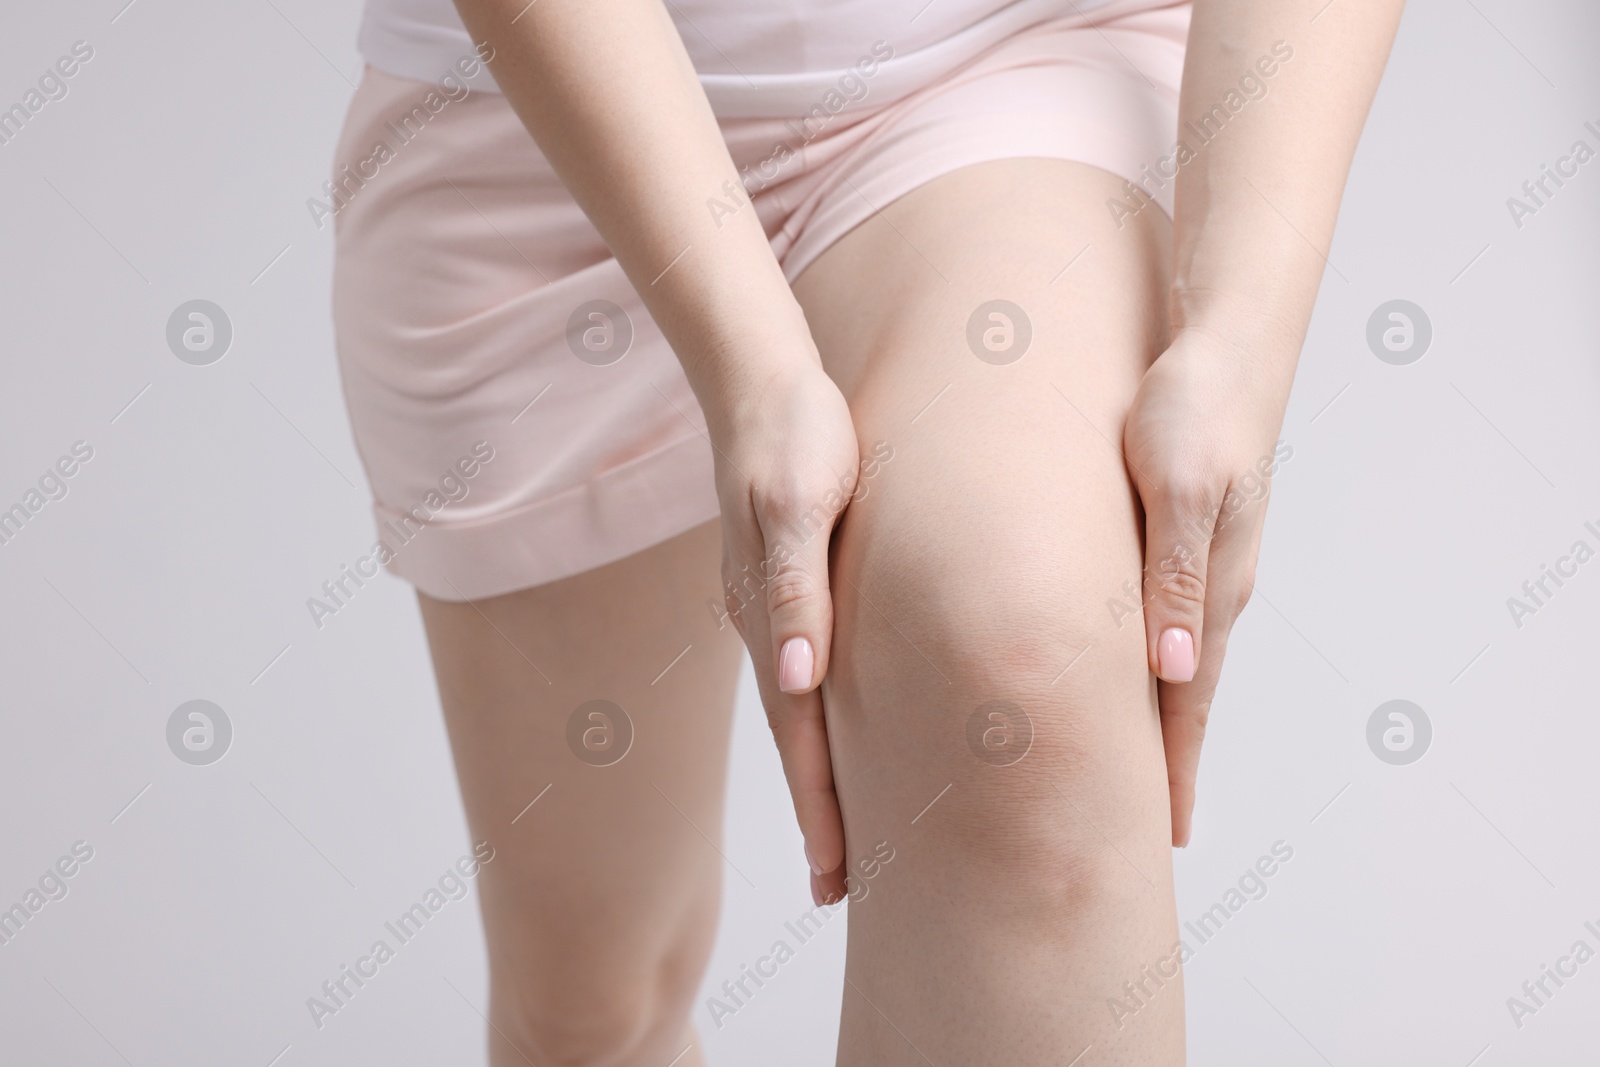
994	724
601	903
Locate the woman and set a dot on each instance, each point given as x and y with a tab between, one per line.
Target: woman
953	380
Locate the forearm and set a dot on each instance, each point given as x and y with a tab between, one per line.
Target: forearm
608	93
1257	201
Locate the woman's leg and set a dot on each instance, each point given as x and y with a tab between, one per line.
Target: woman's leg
971	584
601	902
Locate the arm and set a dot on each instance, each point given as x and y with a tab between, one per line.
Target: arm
1256	206
607	90
608	93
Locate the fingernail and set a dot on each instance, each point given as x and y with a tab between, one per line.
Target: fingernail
816	891
816	868
795	662
1175	655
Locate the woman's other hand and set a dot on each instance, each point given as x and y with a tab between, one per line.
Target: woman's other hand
786	468
1201	446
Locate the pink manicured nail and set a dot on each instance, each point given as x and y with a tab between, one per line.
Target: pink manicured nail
816	868
1175	655
795	662
816	891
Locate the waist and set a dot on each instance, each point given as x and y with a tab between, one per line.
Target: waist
764	60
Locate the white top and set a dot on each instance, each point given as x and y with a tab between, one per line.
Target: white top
756	58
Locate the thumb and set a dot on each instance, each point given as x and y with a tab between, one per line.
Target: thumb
799	602
1177	543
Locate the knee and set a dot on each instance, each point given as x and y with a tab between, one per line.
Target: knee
581	1010
564	1030
1062	787
999	672
1016	637
615	1021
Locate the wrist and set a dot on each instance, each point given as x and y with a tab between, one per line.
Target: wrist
735	338
739	371
1245	323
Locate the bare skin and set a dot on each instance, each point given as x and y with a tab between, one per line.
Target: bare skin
1033	890
601	905
977	570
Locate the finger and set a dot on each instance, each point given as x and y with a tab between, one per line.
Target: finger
801	734
829	888
1178	528
1183	729
799	728
799	603
787	630
1186	707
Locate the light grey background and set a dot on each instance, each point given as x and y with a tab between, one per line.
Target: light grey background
1418	499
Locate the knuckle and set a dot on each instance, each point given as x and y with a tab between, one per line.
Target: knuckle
782	499
1194	714
1178	579
1187	492
799	512
790	590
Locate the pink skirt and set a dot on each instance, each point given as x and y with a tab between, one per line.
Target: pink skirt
520	417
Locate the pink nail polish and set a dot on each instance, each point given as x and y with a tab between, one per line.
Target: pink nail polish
816	892
815	867
795	663
1175	655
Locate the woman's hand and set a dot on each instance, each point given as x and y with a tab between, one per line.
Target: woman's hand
1200	444
1254	216
607	90
786	467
